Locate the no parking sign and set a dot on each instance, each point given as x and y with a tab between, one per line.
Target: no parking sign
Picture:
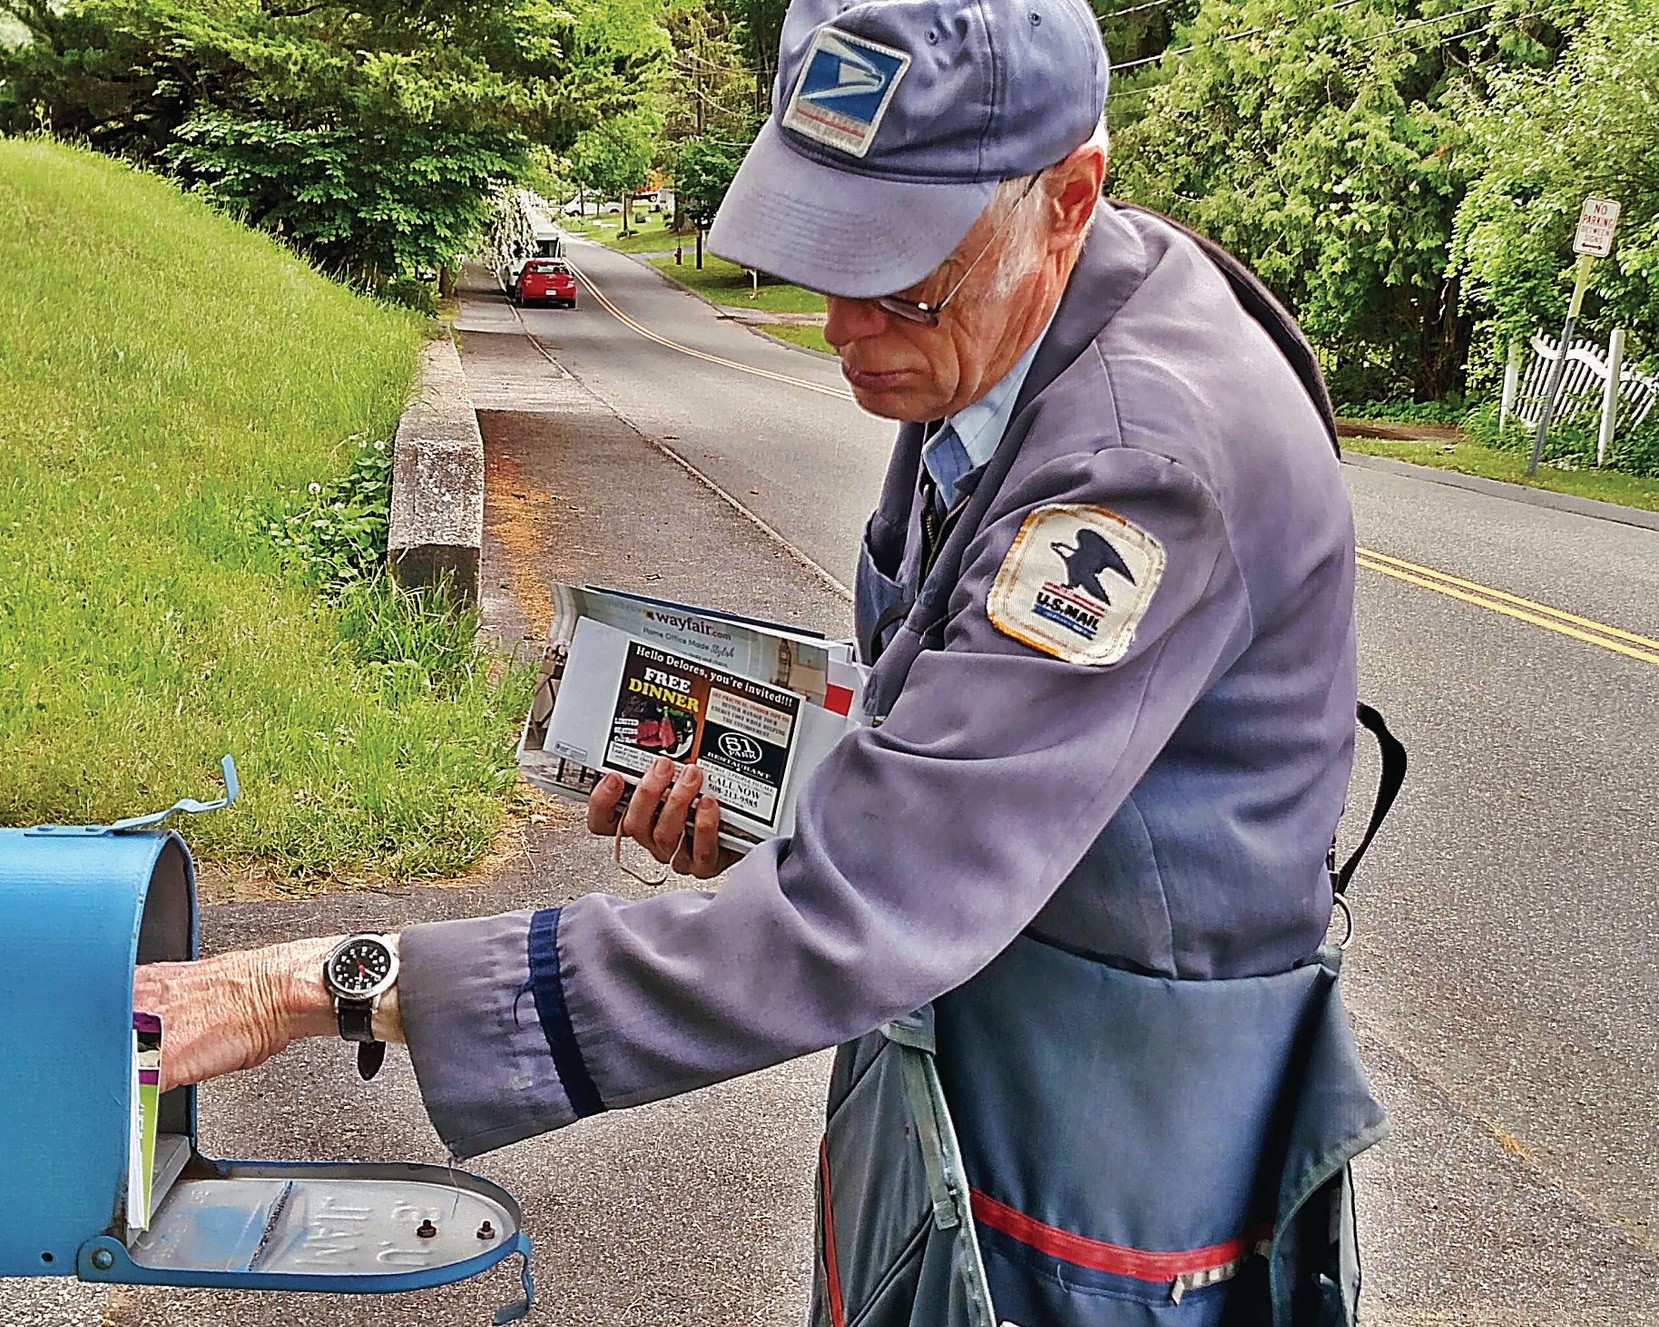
1597	220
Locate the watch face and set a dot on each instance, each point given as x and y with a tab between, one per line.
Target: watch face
361	967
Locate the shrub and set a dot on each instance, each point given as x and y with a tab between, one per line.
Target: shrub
1449	411
1570	446
411	292
1636	452
333	532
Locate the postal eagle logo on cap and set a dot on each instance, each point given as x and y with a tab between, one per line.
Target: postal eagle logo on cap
1076	583
845	88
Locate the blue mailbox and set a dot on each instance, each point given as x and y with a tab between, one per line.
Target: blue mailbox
79	907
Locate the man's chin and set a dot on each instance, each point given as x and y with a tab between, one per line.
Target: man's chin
901	403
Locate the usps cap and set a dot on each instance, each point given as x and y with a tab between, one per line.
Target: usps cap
893	122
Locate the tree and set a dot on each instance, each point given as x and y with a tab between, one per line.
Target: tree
1544	139
1137	30
615	51
366	131
707	87
707	102
761	30
707	166
398	200
1318	143
613	157
706	82
548	174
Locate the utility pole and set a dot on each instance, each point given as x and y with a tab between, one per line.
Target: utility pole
697	83
702	123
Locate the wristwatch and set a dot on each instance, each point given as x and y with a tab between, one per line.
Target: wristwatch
357	972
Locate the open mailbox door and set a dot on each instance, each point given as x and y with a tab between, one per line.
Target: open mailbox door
80	907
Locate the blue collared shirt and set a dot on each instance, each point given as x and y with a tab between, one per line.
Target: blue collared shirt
971	435
963	445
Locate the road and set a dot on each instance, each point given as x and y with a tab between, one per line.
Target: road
1501	977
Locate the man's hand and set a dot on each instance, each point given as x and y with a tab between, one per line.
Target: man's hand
666	817
238	1010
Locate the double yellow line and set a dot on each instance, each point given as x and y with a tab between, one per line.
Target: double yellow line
1584	629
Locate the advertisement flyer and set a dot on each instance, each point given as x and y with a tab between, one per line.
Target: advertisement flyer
741	731
626	679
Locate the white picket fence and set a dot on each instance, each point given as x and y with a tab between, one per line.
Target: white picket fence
1597	387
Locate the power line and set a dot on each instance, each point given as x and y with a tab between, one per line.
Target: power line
1359	41
1136	9
1184	50
1286	27
687	53
1475	32
725	108
1237	36
1438	18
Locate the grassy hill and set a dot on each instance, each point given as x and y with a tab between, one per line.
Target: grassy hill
165	372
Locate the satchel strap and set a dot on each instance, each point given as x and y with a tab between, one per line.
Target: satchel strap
1262	305
1393	775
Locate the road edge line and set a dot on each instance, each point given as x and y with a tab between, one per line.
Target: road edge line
805	559
721	311
799	555
1591	508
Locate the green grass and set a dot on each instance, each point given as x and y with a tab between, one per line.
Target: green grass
653	236
801	334
718	281
1472	459
165	377
727	283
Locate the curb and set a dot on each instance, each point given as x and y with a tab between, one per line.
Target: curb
437	517
1496	488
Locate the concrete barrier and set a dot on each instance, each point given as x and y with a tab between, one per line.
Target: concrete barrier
437	518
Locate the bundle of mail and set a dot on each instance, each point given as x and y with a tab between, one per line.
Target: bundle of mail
627	678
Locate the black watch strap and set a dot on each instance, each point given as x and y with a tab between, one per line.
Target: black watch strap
356	1018
370	1056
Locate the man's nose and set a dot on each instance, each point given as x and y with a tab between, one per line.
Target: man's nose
851	320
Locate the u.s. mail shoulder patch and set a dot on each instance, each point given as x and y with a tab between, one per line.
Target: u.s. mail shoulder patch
1076	583
845	88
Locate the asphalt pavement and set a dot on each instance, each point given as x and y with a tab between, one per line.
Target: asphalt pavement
1502	976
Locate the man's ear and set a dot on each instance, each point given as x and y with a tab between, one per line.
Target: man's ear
1073	193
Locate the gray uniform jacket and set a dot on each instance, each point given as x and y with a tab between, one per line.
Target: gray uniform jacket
1165	805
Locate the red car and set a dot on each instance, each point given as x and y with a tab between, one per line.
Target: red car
545	279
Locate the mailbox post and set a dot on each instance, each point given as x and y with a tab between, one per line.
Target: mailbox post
80	907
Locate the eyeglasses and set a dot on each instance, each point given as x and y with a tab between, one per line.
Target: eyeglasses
927	315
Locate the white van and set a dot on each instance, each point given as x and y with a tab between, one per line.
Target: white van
520	229
547	241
